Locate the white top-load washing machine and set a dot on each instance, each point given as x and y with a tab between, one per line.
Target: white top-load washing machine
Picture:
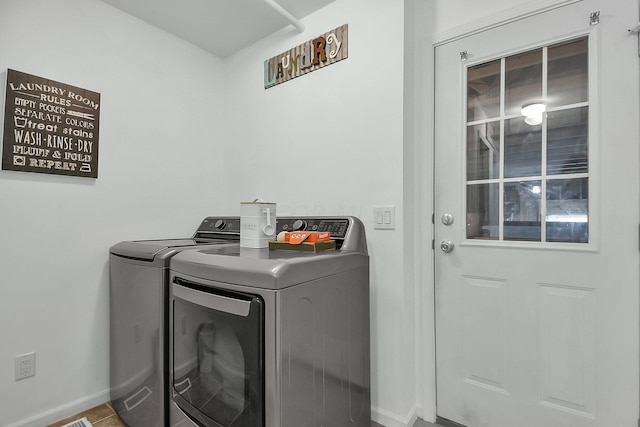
272	338
139	283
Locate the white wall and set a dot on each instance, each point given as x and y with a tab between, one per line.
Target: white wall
418	128
166	162
353	162
449	14
159	167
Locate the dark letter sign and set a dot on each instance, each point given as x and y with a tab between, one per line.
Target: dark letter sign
50	127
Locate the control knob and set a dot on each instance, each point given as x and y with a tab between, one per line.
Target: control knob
299	225
220	224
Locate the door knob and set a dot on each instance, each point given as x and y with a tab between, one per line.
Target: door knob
447	246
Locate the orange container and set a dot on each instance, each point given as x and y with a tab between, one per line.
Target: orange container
297	237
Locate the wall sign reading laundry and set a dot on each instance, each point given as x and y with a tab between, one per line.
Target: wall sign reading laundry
50	127
324	50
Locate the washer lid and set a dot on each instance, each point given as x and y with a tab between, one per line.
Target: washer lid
147	250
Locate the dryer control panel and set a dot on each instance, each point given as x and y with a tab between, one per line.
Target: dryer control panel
337	227
347	231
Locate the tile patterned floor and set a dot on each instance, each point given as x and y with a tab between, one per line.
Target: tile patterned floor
100	416
105	416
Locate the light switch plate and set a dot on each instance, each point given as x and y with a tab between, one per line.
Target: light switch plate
384	217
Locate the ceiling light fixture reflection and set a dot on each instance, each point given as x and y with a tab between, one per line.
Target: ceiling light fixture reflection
533	113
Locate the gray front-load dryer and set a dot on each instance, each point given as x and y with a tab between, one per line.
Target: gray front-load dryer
272	338
138	298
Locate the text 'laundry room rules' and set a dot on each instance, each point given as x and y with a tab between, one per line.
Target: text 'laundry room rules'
50	127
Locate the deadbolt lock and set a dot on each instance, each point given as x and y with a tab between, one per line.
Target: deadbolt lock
447	219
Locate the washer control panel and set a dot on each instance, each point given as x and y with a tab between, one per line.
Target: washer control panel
219	225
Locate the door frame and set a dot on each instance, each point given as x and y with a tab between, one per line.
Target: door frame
424	179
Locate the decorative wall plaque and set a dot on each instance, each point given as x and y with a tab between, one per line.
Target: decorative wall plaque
324	50
50	127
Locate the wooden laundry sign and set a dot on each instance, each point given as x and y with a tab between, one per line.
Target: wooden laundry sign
317	53
50	127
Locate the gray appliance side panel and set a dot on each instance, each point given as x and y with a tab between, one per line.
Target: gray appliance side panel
137	297
141	253
266	273
325	349
356	239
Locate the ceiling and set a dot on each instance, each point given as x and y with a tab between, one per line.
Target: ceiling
222	27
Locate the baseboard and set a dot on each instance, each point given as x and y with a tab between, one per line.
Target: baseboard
389	419
447	423
67	410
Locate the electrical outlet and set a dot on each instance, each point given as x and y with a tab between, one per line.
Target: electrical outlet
25	366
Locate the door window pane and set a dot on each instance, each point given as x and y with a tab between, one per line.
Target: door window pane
527	177
523	80
522	210
568	141
568	210
483	151
567	80
483	91
482	211
522	149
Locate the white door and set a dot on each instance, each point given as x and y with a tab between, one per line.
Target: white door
537	298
